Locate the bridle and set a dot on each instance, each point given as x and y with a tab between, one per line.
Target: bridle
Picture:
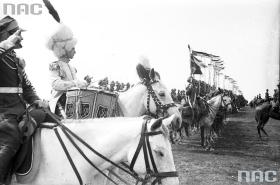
225	104
145	144
161	109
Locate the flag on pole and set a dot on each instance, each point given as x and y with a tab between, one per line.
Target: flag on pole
195	63
195	66
203	54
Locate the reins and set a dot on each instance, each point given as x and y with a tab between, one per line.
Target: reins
143	143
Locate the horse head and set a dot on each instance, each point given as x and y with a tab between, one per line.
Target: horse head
159	101
150	97
226	102
155	160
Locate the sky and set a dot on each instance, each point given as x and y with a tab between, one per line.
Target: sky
113	35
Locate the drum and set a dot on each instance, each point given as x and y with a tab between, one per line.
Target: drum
90	103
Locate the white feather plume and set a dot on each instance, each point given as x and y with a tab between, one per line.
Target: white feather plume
144	61
61	41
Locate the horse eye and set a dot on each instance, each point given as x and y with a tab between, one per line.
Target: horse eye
161	94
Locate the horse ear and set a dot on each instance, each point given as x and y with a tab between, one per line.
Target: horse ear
168	120
152	74
142	72
156	124
157	75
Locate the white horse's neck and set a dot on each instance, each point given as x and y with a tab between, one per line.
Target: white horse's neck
215	104
129	101
120	130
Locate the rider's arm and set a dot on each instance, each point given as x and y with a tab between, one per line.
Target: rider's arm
9	42
57	82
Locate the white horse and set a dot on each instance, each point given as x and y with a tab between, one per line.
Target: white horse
150	96
207	120
115	138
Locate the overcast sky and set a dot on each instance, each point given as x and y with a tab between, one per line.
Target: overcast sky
112	35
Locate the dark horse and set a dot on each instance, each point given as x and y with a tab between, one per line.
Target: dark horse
262	115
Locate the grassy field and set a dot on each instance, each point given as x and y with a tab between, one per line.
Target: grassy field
238	148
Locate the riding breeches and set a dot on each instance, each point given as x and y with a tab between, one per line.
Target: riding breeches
10	141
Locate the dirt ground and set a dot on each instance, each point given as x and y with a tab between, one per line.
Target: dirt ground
238	148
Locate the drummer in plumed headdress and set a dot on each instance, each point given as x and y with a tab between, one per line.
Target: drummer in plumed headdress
63	75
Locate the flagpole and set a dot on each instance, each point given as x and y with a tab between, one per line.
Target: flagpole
190	53
214	78
278	85
224	81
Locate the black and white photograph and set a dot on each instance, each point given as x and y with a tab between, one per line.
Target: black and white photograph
138	92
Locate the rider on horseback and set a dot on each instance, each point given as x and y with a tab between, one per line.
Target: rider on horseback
267	97
63	75
16	91
276	97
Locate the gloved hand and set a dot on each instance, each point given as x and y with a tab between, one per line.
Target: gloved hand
11	41
41	103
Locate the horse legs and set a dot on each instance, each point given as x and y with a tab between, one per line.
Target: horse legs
202	135
262	129
259	131
187	129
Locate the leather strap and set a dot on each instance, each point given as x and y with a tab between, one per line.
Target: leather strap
68	156
11	90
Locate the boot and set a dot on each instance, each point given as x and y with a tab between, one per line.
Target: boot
6	155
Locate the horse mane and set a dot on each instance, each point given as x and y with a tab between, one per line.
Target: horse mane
213	99
211	103
144	73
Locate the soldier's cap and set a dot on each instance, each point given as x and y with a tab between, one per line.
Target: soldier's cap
10	25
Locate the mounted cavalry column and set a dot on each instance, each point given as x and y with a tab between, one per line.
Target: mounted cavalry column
278	89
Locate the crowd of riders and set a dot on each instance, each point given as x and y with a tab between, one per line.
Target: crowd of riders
202	89
257	100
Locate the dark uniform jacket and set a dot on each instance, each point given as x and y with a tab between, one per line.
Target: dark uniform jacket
12	74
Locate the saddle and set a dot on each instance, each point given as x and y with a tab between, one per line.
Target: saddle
27	160
24	157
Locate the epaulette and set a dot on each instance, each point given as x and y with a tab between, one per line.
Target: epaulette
54	66
22	63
